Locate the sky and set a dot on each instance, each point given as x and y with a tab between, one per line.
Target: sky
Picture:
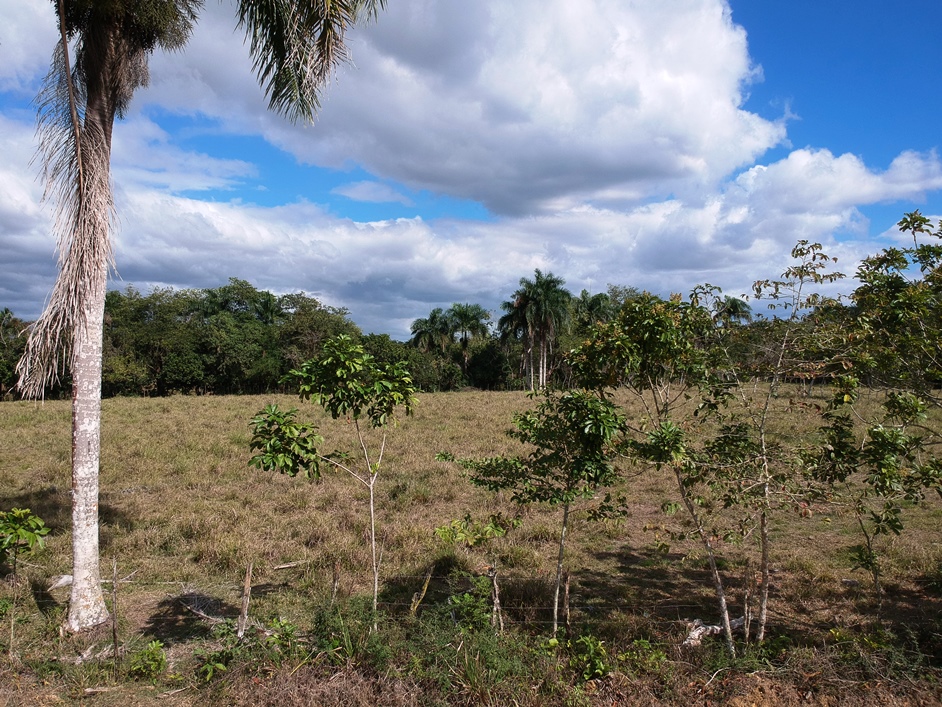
656	144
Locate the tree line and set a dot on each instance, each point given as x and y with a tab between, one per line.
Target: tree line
233	339
237	339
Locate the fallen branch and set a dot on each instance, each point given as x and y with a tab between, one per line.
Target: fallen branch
203	615
65	580
697	630
171	693
89	654
289	565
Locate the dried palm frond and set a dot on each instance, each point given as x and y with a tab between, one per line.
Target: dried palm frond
75	172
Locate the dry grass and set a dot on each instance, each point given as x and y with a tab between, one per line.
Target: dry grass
183	515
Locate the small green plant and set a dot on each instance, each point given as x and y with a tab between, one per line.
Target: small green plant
278	643
282	638
643	657
471	609
471	533
284	444
346	635
149	663
21	532
213	662
589	658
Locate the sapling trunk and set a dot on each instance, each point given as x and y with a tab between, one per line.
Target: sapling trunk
764	590
373	549
559	567
711	556
372	470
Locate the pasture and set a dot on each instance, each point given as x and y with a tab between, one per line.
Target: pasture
183	516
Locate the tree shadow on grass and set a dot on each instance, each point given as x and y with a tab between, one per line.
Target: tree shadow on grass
45	602
187	617
661	584
54	505
397	593
665	590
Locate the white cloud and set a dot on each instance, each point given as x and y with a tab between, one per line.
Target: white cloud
374	192
525	107
27	34
144	154
608	137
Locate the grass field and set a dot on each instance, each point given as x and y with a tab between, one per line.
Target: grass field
183	516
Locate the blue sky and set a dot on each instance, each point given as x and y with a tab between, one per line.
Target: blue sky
633	142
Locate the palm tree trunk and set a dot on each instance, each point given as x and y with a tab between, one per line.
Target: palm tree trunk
87	604
92	250
530	357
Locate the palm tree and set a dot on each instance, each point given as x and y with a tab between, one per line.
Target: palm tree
467	322
538	310
431	332
513	325
731	310
295	44
588	310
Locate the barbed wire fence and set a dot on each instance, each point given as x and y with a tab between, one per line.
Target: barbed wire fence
517	605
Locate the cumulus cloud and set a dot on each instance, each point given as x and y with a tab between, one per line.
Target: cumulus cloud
375	192
525	107
609	140
27	34
144	155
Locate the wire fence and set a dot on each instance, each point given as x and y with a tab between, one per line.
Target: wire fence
523	599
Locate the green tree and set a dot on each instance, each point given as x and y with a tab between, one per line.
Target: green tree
12	341
572	436
899	305
589	309
294	45
620	294
347	382
891	344
432	332
752	469
537	311
467	322
659	351
307	325
489	367
729	310
429	371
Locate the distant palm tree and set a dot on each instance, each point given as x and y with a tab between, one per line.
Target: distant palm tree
588	310
267	309
513	326
432	332
295	44
537	311
731	310
467	322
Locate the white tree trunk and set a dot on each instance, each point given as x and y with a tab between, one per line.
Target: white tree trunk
87	604
559	567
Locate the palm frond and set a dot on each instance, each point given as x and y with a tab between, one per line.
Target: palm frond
296	45
74	169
